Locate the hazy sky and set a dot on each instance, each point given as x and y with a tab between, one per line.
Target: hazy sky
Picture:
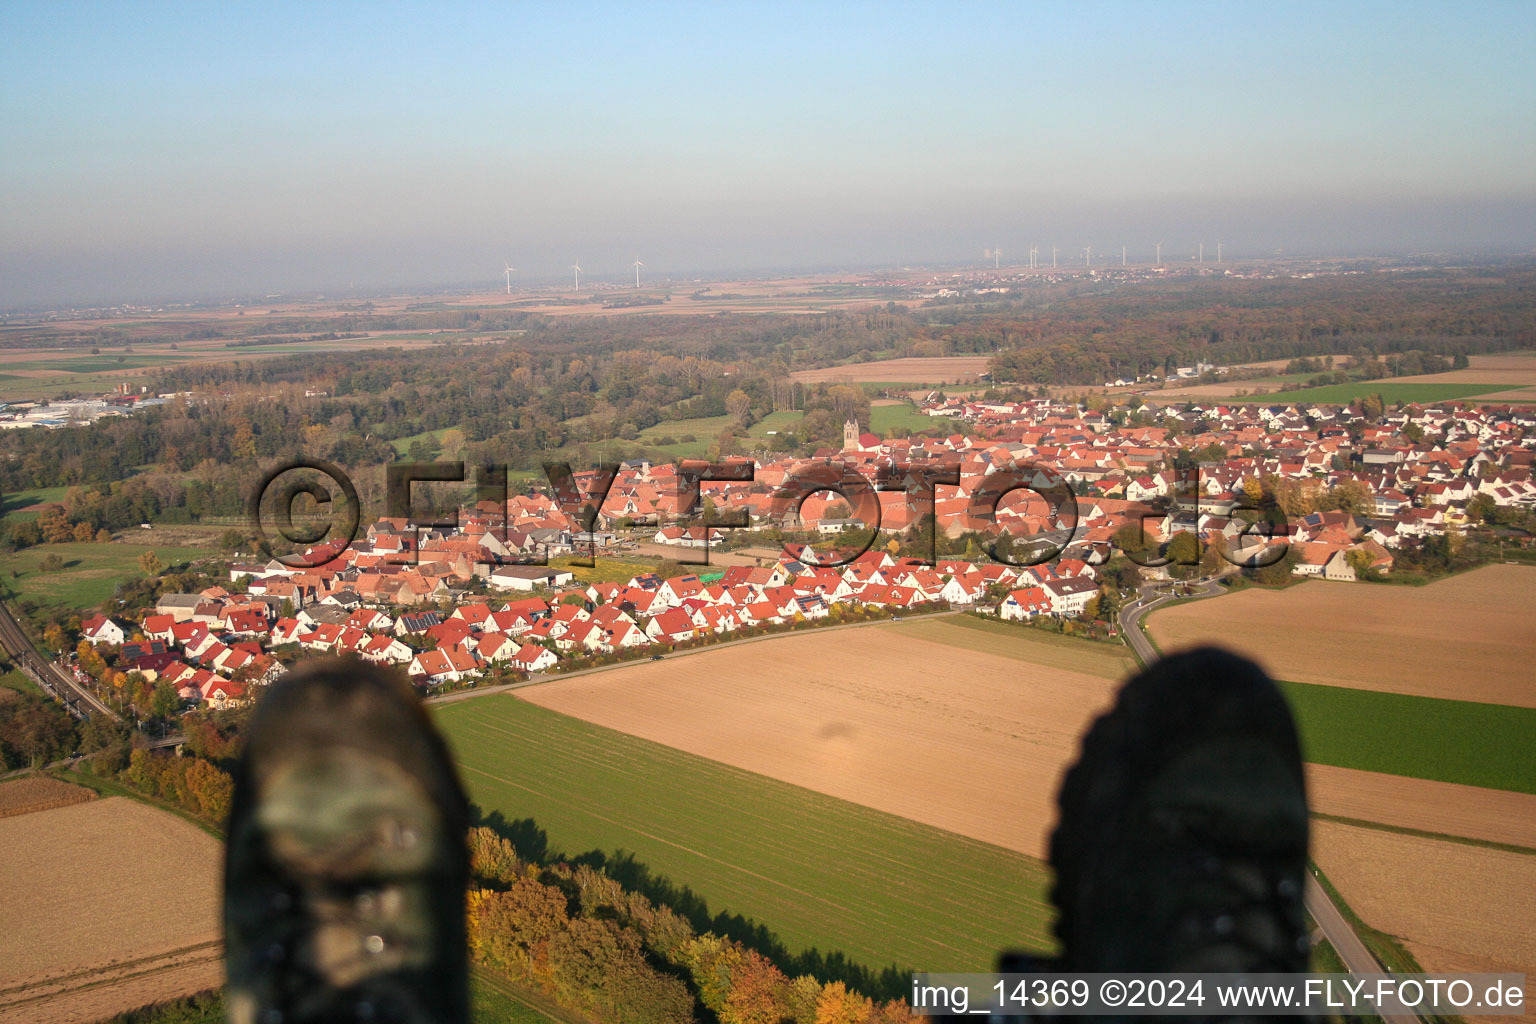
164	150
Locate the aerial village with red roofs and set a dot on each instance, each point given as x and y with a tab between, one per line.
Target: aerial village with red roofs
483	602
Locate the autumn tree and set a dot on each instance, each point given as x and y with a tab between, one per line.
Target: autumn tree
1212	560
738	403
1185	550
149	564
1132	540
53	522
164	700
90	661
1354	497
53	638
839	1005
516	926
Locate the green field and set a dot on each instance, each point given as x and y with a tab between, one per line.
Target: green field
883	418
494	1000
1391	393
91	571
17	680
816	871
1474	744
12	503
611	570
402	445
101	363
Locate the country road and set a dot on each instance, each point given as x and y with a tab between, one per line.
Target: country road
1151	596
1330	921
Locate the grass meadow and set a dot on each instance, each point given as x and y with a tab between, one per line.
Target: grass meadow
1472	743
883	418
90	575
815	871
12	503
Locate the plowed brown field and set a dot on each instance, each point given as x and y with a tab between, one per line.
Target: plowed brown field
915	370
39	793
109	905
1458	907
1469	637
1495	815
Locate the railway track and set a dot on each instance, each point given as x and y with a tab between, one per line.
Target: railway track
79	701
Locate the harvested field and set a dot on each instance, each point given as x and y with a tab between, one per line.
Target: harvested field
1520	396
39	793
109	905
867	715
1517	369
1391	391
1457	907
1472	812
1469	637
917	370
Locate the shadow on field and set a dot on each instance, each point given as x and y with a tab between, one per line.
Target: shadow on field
532	844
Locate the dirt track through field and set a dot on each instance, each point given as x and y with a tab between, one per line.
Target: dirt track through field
1469	637
967	741
109	905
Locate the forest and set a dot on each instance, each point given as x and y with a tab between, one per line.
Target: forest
565	382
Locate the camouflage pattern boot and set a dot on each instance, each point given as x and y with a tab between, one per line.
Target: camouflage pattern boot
345	870
1182	842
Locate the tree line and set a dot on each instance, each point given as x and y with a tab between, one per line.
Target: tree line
610	954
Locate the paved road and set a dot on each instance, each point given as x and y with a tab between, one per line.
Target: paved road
1335	928
1357	958
1154	595
82	703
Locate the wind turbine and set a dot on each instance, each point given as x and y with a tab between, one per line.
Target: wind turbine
510	271
577	267
1218	252
1122	255
1053	257
997	258
1202	252
638	265
1088	256
1159	260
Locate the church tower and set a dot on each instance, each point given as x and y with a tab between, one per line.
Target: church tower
850	436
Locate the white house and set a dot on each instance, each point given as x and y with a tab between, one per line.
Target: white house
101	629
1071	595
1024	603
528	577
